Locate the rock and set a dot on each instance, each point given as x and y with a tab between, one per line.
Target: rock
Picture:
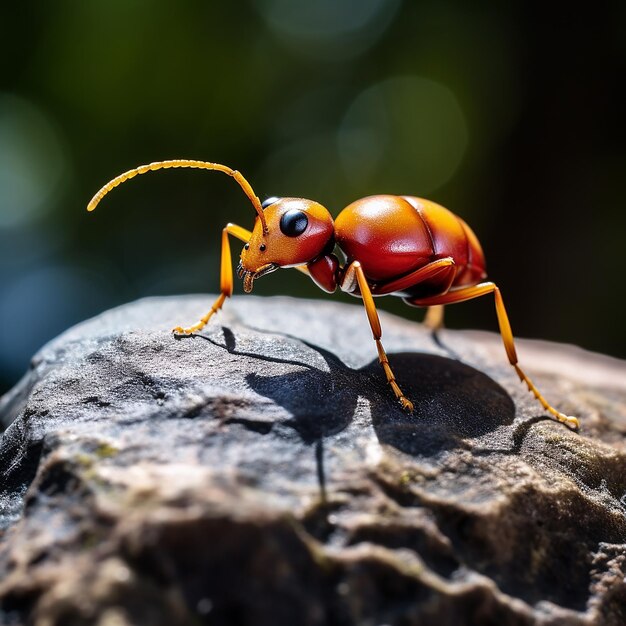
261	473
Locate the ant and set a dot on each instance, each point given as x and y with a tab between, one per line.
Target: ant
393	245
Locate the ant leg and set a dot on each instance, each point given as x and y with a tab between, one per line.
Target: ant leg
443	269
372	316
468	293
226	278
434	317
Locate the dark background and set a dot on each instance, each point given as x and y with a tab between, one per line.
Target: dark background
512	116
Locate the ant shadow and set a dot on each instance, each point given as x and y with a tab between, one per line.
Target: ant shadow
452	401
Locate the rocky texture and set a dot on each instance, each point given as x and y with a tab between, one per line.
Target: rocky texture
262	474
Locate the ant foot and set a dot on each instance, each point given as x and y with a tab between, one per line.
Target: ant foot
407	405
569	420
179	331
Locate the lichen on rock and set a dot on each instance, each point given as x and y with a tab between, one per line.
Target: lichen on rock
261	473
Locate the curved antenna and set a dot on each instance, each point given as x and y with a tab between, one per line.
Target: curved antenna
204	165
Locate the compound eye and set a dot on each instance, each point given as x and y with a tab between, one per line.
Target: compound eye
293	222
269	201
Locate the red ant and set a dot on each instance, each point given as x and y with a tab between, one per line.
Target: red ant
394	245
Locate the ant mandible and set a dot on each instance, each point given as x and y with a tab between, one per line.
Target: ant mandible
394	245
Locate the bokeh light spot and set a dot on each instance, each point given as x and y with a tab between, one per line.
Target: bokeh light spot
307	168
32	162
403	135
38	305
328	29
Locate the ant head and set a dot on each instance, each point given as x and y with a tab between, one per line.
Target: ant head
297	232
287	231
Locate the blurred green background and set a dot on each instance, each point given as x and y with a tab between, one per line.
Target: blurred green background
511	115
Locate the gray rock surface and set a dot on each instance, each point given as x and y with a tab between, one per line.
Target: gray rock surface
261	473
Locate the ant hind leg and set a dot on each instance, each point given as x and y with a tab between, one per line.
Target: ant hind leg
433	319
468	293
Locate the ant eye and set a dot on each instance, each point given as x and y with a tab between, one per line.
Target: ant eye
293	223
262	247
269	201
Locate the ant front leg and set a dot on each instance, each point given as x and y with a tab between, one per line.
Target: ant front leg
226	278
372	315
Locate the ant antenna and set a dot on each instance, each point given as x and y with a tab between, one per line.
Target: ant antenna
205	165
